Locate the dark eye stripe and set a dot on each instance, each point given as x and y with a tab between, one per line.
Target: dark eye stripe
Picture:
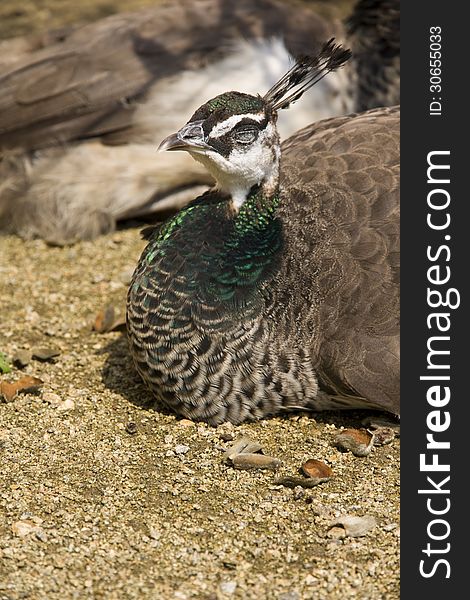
248	123
222	145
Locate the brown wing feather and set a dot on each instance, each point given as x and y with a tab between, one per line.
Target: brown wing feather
341	216
86	84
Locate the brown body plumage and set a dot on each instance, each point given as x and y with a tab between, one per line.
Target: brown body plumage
340	212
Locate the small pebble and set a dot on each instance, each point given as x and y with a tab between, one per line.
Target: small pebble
241	445
228	587
126	275
24	528
317	470
51	398
384	435
255	461
40	535
68	404
25	385
45	354
289	596
337	533
22	358
299	493
358	441
104	320
355	526
154	533
131	428
181	449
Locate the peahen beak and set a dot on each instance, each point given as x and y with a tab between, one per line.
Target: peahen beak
189	138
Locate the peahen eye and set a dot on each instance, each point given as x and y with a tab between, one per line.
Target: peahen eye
246	135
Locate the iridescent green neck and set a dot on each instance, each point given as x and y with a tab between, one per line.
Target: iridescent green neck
251	251
223	257
257	212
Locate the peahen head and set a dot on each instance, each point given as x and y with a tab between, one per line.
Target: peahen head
234	135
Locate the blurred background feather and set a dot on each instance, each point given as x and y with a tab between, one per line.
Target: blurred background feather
83	106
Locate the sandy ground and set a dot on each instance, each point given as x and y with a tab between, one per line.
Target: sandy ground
92	509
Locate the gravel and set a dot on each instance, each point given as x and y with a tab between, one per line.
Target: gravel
104	495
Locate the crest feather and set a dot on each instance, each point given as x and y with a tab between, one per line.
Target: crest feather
307	71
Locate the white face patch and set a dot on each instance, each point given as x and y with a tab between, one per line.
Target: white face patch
225	126
245	166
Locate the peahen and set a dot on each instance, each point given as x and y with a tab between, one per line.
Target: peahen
275	291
